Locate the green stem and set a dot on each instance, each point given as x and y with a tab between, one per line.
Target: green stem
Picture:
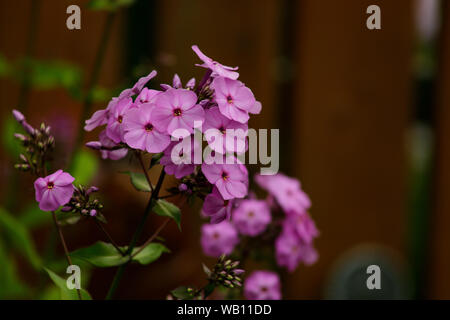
99	58
137	234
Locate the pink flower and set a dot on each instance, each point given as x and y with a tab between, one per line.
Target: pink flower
303	226
115	127
54	190
99	118
177	109
230	179
218	239
139	85
252	217
222	134
287	192
106	142
290	251
147	96
216	207
140	133
262	285
179	164
216	68
234	99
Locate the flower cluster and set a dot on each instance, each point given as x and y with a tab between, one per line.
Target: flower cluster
38	143
82	203
153	121
225	273
281	220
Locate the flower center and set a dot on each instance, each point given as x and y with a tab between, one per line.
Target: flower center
225	176
119	119
250	214
148	127
229	99
50	185
216	235
222	130
264	289
177	112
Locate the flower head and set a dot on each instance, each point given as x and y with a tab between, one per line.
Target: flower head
303	226
251	217
177	109
218	239
234	99
54	190
262	285
140	131
216	207
216	68
287	192
230	179
224	135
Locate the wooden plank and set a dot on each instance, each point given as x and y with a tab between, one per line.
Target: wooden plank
351	108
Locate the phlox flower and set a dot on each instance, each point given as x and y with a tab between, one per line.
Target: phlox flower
115	128
286	191
138	86
177	84
218	239
262	285
217	129
251	217
140	132
303	226
216	207
54	190
177	109
106	142
230	179
178	159
146	96
216	68
234	99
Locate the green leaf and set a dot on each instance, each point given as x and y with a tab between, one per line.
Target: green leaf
100	254
155	159
182	293
84	167
19	237
139	181
66	293
109	5
150	253
168	209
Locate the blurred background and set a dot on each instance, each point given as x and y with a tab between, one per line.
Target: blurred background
363	115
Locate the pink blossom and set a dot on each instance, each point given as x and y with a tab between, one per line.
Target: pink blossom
234	99
147	96
216	207
218	239
54	190
138	86
224	135
107	143
181	163
230	179
252	217
262	285
115	128
177	109
216	68
140	132
303	226
287	192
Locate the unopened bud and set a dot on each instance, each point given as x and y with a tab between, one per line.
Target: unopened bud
93	213
18	116
95	145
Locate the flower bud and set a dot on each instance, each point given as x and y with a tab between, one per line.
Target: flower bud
93	213
95	145
18	116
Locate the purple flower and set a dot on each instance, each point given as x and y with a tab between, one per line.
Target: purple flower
222	134
54	190
218	239
251	217
216	68
216	207
262	285
115	127
107	143
140	133
177	161
303	226
230	179
177	109
99	118
139	85
147	96
287	192
234	99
